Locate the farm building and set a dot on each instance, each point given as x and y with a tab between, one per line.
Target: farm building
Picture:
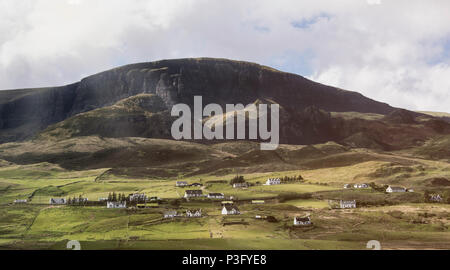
194	213
181	184
196	185
240	185
170	214
347	204
347	186
230	210
116	204
273	181
302	221
21	201
391	189
57	201
216	196
193	193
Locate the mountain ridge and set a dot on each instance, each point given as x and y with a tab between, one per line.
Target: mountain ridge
25	112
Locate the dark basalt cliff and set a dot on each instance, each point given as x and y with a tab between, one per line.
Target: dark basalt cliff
25	112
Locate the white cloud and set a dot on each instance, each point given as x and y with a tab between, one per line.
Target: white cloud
393	51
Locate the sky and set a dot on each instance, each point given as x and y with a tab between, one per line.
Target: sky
394	51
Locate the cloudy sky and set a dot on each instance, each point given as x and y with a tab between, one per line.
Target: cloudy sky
390	50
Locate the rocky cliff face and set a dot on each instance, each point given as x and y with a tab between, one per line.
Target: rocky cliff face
25	112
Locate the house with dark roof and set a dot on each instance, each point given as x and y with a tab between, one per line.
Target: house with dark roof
302	221
193	193
230	210
196	185
58	201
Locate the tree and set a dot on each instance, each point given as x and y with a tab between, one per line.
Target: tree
237	179
110	197
114	197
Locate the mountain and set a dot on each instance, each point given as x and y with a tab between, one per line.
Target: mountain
25	112
135	101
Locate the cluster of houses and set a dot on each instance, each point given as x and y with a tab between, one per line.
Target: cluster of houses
389	189
197	193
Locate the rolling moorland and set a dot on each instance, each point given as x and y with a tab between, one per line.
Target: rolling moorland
111	133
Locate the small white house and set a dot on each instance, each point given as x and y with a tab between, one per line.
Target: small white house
302	221
116	204
193	193
230	210
347	186
347	204
170	214
58	201
216	196
391	189
21	201
194	213
273	181
181	184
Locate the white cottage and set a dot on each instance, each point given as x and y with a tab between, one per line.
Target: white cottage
116	204
347	204
194	213
216	196
391	189
21	201
302	221
273	181
230	210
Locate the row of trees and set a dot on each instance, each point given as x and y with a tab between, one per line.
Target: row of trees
113	197
290	179
77	201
